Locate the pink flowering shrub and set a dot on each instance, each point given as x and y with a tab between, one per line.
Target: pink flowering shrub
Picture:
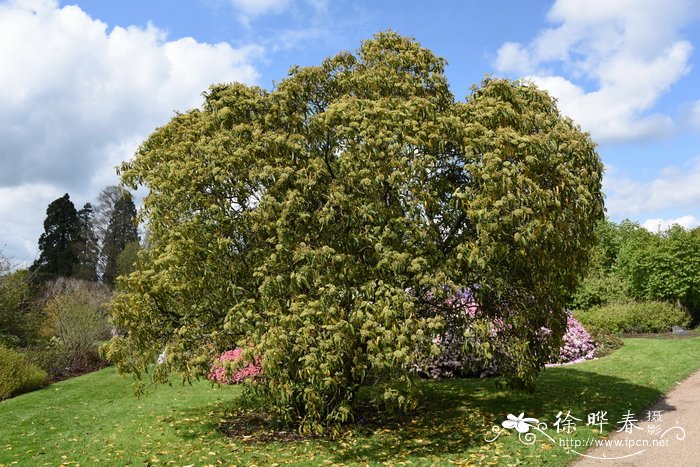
461	313
229	368
578	344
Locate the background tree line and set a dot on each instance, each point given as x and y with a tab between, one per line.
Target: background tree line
641	281
53	313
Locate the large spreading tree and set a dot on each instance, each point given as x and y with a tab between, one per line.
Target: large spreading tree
321	225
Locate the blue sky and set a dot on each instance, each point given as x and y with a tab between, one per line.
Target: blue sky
84	82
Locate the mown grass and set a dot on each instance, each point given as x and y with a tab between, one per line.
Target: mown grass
95	419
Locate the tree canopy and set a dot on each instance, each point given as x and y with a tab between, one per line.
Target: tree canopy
321	225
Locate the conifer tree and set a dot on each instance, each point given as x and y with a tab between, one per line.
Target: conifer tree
86	245
56	245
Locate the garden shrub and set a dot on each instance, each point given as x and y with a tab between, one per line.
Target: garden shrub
76	322
18	317
635	317
449	360
605	342
447	357
18	375
231	368
578	345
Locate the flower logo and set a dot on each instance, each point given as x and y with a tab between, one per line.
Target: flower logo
520	423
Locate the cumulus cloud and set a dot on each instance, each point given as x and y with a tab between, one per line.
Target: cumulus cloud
676	187
661	225
76	98
514	58
616	58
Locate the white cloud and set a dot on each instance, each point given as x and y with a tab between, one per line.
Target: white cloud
514	58
77	98
676	188
618	58
661	225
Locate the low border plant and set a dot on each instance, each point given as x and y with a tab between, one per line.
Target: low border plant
18	375
636	317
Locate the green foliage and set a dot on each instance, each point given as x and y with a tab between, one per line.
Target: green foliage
612	237
18	321
75	322
603	283
635	317
17	374
664	266
606	342
599	290
629	262
58	256
313	223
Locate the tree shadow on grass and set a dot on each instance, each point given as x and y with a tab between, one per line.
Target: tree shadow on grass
457	415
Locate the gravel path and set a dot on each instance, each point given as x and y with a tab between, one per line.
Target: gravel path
674	440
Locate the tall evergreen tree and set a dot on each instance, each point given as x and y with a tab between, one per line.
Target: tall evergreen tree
86	245
56	245
121	230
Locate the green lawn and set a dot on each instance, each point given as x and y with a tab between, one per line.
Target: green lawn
95	418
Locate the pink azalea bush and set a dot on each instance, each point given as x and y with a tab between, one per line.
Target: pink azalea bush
229	368
460	312
578	344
